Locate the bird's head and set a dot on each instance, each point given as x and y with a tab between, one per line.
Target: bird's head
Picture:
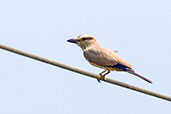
84	41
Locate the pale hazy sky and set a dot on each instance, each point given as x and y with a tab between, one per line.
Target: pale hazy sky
140	30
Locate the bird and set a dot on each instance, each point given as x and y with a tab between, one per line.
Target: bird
104	58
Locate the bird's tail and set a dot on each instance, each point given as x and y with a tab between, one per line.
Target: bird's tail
134	73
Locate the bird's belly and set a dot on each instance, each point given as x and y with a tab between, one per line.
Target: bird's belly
105	67
96	65
114	69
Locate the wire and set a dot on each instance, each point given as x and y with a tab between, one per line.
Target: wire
85	73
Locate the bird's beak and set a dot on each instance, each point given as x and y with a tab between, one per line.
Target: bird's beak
72	41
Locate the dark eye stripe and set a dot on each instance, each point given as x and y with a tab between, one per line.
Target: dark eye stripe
84	39
88	38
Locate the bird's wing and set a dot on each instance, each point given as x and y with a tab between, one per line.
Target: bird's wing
104	57
99	56
123	62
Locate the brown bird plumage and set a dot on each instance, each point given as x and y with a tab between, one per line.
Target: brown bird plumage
103	57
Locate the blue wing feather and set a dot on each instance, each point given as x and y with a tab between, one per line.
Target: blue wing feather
119	66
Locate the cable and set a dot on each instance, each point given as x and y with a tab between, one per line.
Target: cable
85	73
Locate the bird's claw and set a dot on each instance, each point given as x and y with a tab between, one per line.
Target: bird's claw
98	80
102	77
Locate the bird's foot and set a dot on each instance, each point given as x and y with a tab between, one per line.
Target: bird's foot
102	77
